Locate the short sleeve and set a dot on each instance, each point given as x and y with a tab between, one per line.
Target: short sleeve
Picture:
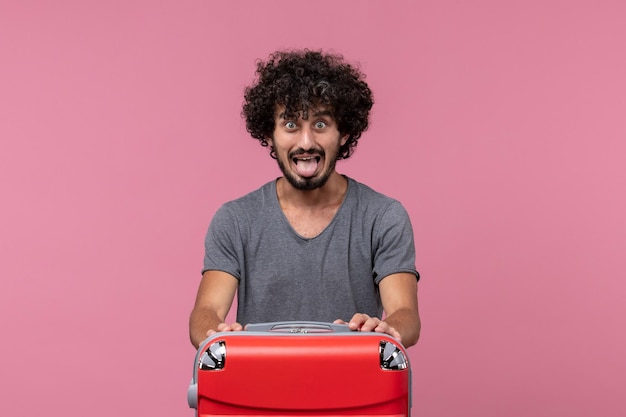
222	243
393	243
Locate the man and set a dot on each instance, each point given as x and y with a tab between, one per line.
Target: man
313	244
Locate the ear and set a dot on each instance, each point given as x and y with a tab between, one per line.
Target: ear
269	141
344	139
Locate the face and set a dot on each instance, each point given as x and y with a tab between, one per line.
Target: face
306	150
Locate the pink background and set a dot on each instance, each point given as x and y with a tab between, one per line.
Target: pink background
499	124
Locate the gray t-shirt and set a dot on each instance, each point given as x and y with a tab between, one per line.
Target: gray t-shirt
284	276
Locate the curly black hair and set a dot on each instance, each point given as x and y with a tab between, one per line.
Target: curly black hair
303	80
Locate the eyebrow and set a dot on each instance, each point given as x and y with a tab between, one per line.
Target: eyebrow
315	114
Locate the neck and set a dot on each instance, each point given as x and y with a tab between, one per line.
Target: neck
332	192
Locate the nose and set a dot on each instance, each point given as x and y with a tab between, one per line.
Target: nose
307	138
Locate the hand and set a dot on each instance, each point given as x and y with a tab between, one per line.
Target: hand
225	327
364	323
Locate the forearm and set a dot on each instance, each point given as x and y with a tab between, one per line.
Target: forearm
213	302
200	322
407	322
398	293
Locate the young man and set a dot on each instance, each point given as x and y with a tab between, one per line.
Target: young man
312	244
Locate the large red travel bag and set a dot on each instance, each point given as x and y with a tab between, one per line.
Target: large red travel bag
301	369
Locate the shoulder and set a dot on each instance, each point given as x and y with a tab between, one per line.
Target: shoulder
253	201
374	208
244	210
368	198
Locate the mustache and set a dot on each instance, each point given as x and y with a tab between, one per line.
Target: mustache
312	152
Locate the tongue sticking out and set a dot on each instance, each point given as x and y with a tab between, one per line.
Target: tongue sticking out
306	167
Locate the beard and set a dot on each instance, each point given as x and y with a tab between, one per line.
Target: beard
312	183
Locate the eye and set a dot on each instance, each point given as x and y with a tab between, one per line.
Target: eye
290	125
320	124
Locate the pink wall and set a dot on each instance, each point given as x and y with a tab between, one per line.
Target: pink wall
500	125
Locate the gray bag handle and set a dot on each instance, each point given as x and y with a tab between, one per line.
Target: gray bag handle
298	327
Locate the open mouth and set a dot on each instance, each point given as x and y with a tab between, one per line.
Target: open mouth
306	166
305	159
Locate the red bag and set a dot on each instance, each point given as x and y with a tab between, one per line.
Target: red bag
300	369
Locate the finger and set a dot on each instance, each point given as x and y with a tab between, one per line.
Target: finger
223	327
386	328
357	321
370	324
339	321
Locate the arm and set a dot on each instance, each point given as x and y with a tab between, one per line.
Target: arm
215	296
398	293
